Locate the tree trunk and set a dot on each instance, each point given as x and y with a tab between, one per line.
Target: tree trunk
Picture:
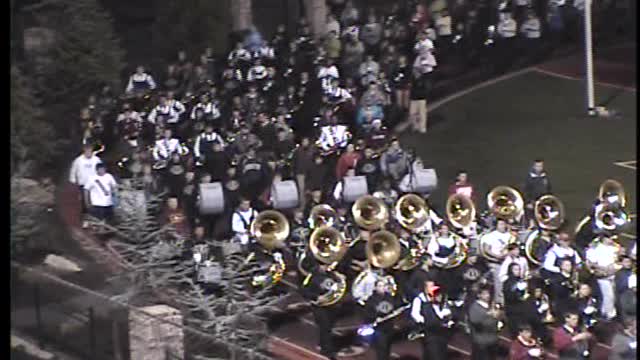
241	15
316	11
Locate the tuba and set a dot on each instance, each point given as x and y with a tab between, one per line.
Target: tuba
600	272
383	251
611	191
549	213
271	229
611	218
505	203
412	212
461	211
328	246
370	213
322	215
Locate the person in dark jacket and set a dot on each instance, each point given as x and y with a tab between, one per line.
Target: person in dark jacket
379	305
217	162
569	341
536	185
483	320
318	176
369	167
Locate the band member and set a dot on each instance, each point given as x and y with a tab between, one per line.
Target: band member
624	342
140	81
377	137
338	190
386	192
431	313
586	305
165	147
379	305
513	257
333	137
315	288
536	185
483	320
562	287
569	341
602	258
621	279
472	275
558	252
441	245
462	185
496	243
204	143
129	124
525	346
241	223
517	304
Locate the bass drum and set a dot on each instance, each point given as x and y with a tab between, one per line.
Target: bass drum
535	244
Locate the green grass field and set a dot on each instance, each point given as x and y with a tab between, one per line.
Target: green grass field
495	132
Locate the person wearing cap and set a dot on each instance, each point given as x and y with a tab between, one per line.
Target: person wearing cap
557	252
431	313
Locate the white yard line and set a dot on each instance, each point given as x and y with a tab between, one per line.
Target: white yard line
563	76
629	236
627	164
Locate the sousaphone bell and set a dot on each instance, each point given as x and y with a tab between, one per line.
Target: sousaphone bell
412	212
505	203
461	211
370	213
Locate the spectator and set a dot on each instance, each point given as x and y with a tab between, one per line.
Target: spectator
100	191
371	34
348	160
352	51
394	162
332	45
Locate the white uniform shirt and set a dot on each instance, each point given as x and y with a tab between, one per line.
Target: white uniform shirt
101	189
164	148
178	109
214	136
82	169
138	78
416	307
238	225
531	28
507	28
497	241
209	108
257	72
169	111
556	252
504	268
602	255
443	24
133	115
434	245
326	74
423	46
523	2
331	136
239	54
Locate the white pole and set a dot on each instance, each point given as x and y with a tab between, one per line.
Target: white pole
588	50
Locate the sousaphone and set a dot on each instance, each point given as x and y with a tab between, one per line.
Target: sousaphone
322	215
612	217
411	212
370	213
383	251
461	211
549	214
328	246
506	203
270	229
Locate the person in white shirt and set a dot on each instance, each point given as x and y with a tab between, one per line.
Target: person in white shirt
333	137
100	191
241	223
257	72
238	55
441	245
140	81
327	73
496	243
209	109
165	147
531	30
423	45
513	256
84	167
506	46
603	257
556	253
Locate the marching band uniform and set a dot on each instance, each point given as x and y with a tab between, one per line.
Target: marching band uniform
204	143
209	109
327	74
517	306
440	248
554	257
241	225
257	72
497	242
388	196
178	109
129	124
239	54
605	255
140	82
435	319
164	148
167	113
319	283
333	136
587	309
377	306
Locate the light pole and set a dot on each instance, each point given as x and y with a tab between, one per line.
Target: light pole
588	52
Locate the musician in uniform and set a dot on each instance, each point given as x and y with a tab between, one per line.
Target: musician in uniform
430	311
441	246
241	223
536	185
471	276
203	145
425	273
382	303
603	257
525	346
315	288
483	320
569	341
140	81
559	251
333	138
516	296
165	147
496	243
513	257
586	306
562	285
621	279
377	137
386	192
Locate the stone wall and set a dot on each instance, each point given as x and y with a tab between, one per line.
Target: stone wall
151	338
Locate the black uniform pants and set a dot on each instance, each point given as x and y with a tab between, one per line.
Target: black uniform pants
434	347
324	320
483	351
382	343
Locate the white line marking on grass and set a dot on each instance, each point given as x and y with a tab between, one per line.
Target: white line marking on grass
628	236
563	76
627	164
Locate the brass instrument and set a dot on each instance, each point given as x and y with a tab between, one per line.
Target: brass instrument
550	215
322	215
600	272
328	246
370	213
412	212
412	260
461	211
485	253
505	203
383	251
271	229
612	190
611	218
